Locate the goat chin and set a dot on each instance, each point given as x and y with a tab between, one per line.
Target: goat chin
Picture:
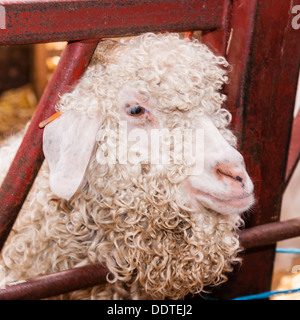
228	206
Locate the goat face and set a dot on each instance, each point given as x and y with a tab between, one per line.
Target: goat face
215	174
213	171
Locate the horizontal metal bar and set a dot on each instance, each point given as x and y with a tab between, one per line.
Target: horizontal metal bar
29	157
269	233
55	284
60	20
91	275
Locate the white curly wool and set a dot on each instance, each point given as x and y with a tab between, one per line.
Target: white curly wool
159	236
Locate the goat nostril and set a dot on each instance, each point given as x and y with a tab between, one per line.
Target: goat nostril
231	171
238	178
225	173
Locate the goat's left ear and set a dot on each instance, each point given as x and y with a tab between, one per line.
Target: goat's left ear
68	143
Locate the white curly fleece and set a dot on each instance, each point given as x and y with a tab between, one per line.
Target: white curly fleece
137	221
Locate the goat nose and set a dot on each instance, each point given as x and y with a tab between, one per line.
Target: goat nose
234	173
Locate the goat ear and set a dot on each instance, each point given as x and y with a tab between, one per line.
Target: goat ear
68	143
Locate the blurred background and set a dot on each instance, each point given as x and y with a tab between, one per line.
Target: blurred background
24	74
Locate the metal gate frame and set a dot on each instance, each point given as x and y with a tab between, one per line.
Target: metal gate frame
258	40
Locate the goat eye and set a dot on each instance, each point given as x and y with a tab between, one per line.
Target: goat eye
135	111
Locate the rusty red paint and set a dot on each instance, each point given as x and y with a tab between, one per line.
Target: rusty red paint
241	28
264	53
46	21
270	89
29	158
219	39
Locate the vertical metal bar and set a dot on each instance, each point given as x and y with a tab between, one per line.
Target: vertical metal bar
294	151
265	96
238	55
217	40
29	157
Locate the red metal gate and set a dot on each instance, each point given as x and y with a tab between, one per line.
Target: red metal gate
259	41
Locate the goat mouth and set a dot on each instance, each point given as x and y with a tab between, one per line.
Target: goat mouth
242	202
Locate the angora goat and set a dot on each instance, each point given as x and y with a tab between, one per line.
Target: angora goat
163	228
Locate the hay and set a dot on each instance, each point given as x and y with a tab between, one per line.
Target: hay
16	109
